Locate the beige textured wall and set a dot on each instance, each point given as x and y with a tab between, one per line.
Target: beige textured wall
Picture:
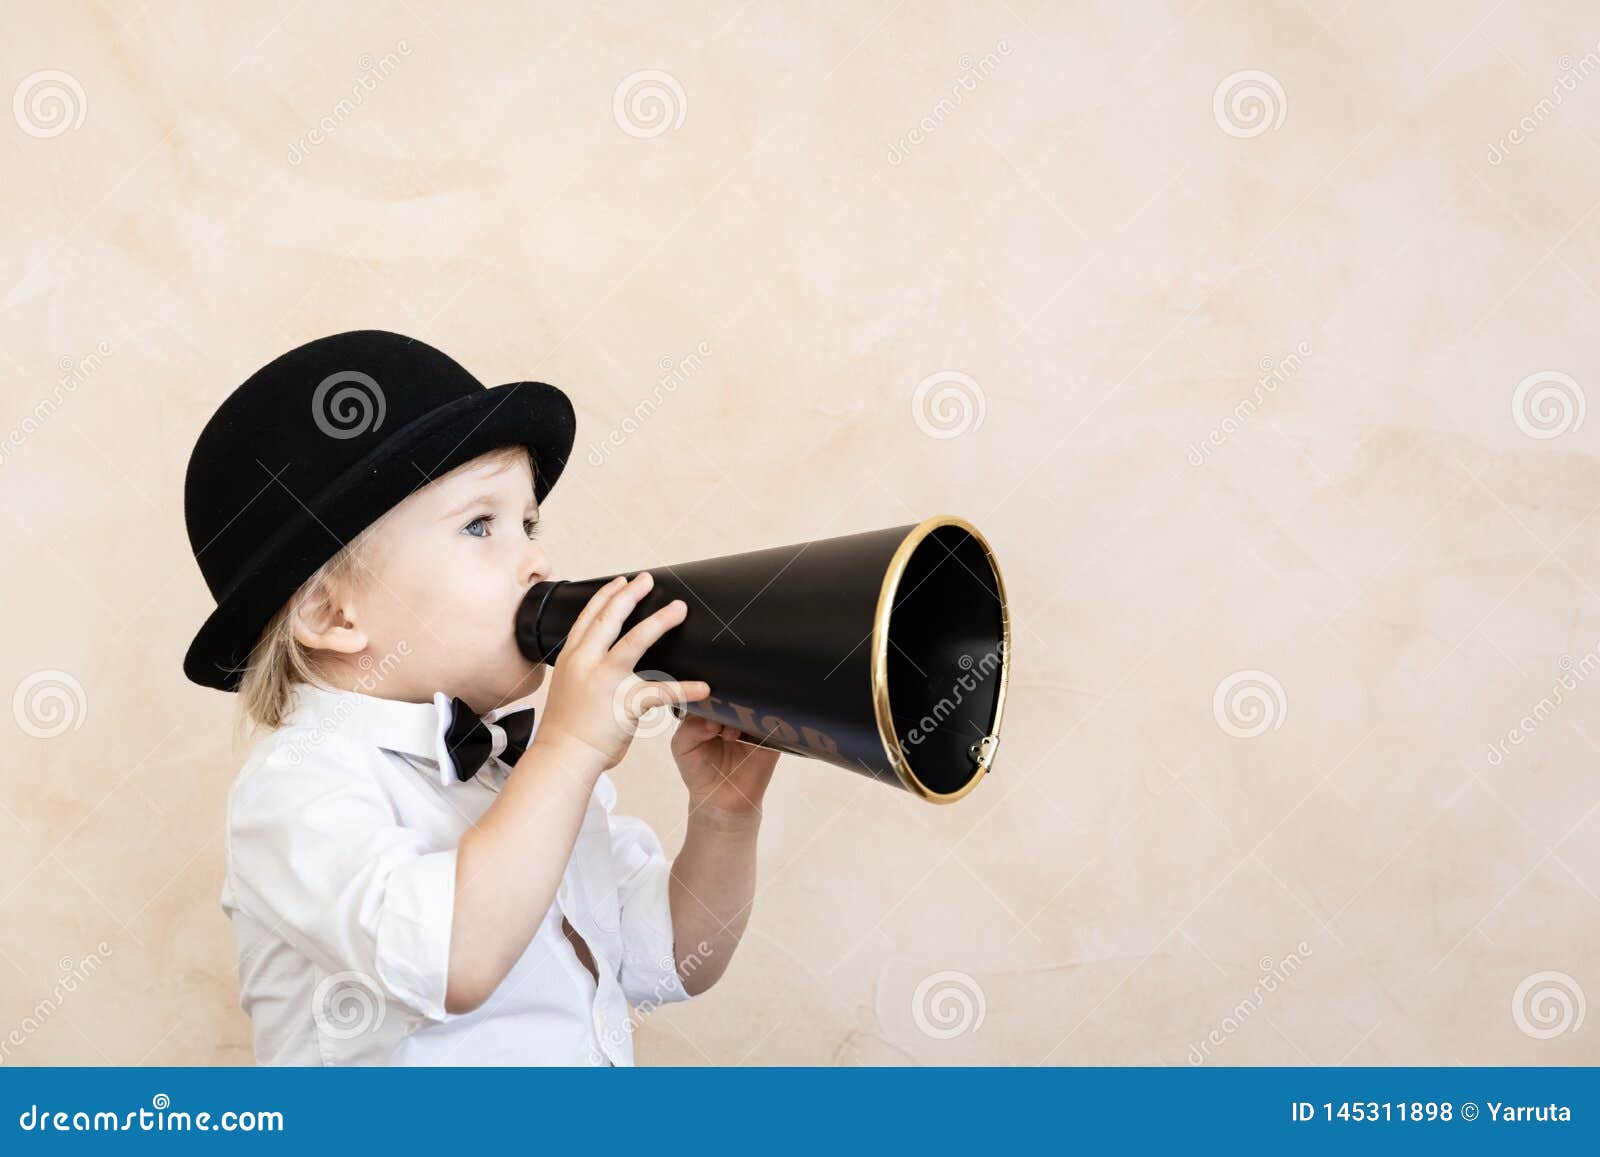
1387	551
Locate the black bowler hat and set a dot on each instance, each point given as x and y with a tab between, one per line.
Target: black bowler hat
315	447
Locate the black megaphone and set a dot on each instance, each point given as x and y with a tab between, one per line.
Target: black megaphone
885	652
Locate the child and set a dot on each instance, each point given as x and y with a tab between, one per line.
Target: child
416	874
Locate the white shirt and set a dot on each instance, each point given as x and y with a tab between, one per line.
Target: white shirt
341	860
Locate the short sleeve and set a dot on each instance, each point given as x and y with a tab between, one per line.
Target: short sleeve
649	975
316	853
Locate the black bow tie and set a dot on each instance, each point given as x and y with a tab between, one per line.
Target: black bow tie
471	743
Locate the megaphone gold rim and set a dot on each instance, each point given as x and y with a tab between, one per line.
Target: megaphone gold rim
880	654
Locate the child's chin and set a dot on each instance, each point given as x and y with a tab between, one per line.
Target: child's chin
520	682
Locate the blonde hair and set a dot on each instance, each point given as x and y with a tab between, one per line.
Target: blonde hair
279	662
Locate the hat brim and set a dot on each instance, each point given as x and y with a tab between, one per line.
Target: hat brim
532	414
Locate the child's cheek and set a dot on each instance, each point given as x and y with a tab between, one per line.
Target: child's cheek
477	595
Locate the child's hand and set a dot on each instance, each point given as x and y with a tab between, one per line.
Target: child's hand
595	698
725	777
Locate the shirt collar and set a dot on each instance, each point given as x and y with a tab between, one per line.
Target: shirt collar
412	729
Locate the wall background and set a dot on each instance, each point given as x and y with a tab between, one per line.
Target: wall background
1272	408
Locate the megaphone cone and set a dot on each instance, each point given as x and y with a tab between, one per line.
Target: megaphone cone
885	652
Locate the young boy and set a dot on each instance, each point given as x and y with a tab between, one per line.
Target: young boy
417	874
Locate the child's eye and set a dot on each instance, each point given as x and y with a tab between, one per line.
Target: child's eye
483	521
530	527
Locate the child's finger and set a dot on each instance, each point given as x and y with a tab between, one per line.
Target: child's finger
692	731
629	649
607	623
593	607
665	693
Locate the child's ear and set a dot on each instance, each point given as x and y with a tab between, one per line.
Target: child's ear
322	621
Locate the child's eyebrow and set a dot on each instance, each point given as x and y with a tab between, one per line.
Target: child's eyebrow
481	500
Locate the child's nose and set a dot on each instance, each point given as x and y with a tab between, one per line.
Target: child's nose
534	565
